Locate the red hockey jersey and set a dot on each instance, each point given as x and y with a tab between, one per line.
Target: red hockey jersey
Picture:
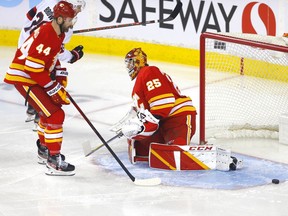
36	58
155	91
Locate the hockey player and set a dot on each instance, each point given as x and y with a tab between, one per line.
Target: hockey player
30	73
36	16
42	13
164	115
165	123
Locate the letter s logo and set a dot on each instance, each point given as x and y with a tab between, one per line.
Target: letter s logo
264	12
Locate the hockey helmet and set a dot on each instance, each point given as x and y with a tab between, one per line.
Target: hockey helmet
135	60
64	9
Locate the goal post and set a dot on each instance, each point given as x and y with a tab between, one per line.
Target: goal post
243	85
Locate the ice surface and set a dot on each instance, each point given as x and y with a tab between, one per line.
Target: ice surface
101	87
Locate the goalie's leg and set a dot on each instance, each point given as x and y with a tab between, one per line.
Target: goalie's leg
133	156
192	157
138	150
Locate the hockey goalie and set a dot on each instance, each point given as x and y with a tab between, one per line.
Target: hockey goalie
164	123
170	155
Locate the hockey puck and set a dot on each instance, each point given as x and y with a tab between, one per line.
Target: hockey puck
275	181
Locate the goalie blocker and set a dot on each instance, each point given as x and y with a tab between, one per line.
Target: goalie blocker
189	157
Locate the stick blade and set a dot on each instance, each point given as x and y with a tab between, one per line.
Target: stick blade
147	182
86	148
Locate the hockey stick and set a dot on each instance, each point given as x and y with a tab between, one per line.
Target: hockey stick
87	147
172	16
143	182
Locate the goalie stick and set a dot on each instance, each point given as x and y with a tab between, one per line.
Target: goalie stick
141	182
115	128
172	16
88	149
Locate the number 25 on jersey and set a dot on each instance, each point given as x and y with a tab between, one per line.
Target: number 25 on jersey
152	84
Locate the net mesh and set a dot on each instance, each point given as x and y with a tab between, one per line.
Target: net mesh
246	86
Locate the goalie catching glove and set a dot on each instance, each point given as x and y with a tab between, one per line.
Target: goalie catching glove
57	93
140	127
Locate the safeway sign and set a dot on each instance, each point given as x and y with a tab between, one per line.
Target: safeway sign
195	17
265	17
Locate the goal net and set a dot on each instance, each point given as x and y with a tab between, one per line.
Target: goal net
243	85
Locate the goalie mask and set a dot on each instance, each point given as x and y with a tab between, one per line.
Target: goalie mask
135	60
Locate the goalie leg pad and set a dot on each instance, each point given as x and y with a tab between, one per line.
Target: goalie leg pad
176	157
226	162
191	157
133	158
131	151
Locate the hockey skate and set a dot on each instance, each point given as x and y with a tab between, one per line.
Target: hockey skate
36	120
235	164
43	153
31	113
58	167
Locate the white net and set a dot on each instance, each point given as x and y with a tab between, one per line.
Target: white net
246	86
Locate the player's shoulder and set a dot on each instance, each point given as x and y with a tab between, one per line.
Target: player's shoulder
150	69
46	27
45	31
147	73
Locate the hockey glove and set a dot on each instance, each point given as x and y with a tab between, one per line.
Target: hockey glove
60	75
57	94
141	127
77	53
